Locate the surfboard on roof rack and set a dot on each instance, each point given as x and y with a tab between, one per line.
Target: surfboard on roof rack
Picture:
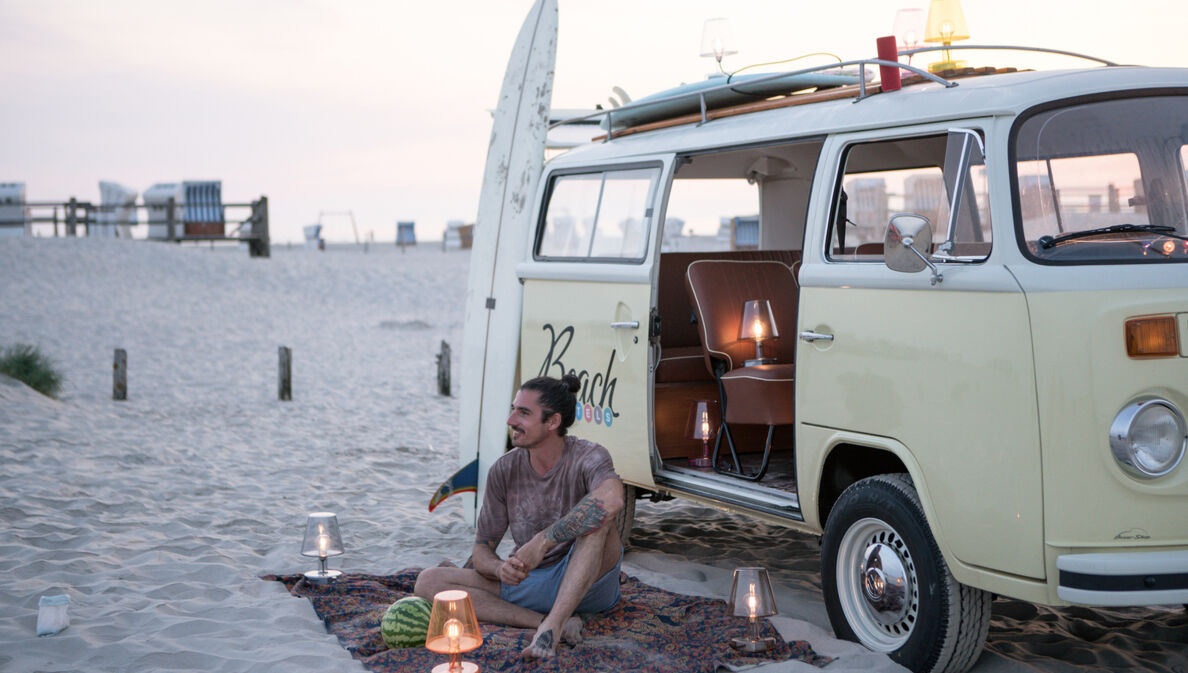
721	91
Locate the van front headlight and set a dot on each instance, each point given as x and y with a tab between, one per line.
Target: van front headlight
1148	437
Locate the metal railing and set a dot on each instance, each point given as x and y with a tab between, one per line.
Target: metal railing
1007	47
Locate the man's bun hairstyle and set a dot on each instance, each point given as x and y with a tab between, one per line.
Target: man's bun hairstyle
556	397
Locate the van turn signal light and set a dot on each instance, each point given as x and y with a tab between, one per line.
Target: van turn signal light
1152	337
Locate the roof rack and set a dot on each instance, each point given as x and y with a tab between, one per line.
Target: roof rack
862	93
861	63
1002	47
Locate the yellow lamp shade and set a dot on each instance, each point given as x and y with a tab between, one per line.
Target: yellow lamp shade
946	22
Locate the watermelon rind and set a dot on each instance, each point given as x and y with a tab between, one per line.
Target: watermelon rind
405	623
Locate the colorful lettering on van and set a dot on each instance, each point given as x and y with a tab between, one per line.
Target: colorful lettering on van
598	391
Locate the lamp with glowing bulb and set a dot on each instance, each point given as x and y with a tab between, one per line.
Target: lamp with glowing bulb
909	28
946	24
758	325
703	424
751	597
322	540
717	40
453	630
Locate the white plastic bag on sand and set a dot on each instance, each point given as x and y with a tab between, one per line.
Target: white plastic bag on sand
51	614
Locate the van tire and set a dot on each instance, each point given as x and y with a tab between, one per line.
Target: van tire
940	625
625	520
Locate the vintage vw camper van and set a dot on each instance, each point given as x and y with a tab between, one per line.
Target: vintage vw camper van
945	328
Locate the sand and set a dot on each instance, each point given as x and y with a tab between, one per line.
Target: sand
157	515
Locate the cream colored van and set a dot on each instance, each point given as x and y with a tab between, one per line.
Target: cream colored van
945	328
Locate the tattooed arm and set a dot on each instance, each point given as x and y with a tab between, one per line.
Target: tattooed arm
592	512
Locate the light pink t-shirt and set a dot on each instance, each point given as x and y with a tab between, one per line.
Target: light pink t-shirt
526	502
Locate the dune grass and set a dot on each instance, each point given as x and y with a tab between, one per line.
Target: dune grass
29	365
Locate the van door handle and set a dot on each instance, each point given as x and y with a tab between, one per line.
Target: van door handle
815	336
626	324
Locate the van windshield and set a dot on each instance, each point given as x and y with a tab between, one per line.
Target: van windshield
1105	182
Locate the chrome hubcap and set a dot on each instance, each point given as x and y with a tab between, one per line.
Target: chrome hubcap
884	583
877	584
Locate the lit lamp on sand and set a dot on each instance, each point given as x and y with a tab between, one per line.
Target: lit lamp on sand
946	24
751	597
703	425
453	629
322	540
757	325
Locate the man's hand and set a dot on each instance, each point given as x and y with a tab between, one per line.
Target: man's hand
531	554
512	571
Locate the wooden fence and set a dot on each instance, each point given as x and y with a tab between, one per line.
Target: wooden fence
81	216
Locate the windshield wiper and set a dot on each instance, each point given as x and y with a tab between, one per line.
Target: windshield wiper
1049	241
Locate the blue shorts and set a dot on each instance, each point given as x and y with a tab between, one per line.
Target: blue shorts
538	591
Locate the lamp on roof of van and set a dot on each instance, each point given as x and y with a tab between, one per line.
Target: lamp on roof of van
758	325
717	40
946	24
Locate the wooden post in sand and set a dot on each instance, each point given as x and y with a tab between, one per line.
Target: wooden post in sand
443	370
119	378
285	379
170	225
72	217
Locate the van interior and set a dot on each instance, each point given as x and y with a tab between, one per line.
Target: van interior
758	198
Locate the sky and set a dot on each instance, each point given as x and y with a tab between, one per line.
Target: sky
383	108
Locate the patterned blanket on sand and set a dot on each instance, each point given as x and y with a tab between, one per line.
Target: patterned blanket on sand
649	630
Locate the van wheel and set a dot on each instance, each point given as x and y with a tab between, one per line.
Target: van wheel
887	586
626	518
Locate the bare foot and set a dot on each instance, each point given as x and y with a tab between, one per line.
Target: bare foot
571	633
543	645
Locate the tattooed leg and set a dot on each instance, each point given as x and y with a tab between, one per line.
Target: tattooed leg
587	562
543	645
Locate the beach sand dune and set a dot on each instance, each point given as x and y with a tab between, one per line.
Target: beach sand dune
157	515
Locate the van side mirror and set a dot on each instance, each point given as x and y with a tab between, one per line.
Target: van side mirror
908	244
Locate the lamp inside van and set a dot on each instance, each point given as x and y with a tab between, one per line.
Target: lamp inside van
758	325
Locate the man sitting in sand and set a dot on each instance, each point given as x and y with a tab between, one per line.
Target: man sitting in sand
559	495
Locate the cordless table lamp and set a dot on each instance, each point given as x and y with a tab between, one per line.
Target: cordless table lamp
453	629
322	540
751	597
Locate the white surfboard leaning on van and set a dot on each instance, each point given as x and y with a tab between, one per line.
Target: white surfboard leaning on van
964	361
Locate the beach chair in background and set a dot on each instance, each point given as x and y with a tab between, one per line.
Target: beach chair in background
202	214
14	214
156	201
313	237
117	211
406	233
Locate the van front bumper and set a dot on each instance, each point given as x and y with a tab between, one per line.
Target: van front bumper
1132	578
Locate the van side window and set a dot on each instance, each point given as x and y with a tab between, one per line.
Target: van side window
921	175
603	215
